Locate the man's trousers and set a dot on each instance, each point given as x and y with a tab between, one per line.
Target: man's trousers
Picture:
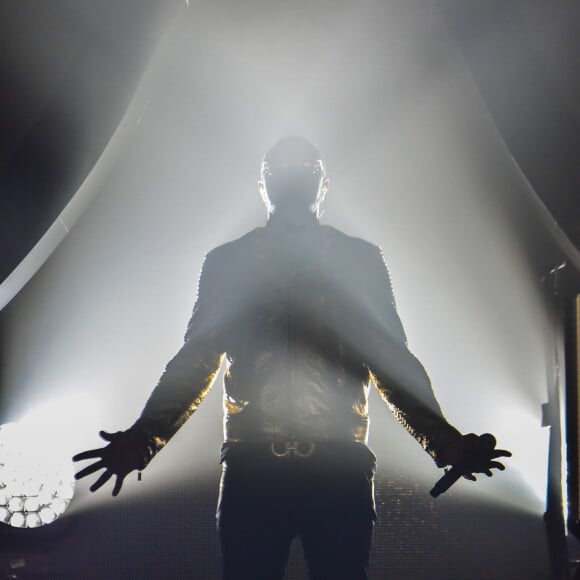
319	492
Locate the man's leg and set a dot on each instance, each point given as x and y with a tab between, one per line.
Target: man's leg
337	517
255	521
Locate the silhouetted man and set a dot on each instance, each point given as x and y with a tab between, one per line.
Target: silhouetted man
305	316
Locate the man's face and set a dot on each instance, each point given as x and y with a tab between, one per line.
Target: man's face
293	184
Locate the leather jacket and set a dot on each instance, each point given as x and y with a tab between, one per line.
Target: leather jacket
306	320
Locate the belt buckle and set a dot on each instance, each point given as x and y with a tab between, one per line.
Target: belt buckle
292	449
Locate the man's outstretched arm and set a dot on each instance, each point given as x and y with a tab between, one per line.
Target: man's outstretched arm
404	384
182	387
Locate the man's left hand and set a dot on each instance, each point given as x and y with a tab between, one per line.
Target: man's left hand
473	454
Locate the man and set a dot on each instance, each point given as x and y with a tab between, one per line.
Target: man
306	318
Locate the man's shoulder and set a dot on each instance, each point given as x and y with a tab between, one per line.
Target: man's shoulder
340	243
352	245
235	248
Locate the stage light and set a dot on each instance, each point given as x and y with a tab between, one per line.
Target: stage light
36	485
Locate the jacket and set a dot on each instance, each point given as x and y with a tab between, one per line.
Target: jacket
306	320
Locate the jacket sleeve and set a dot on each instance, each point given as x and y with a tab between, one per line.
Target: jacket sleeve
398	376
189	375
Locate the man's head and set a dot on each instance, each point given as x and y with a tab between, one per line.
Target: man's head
293	178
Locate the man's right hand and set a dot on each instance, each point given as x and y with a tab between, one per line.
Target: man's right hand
127	451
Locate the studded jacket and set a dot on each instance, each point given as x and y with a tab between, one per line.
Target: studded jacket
306	321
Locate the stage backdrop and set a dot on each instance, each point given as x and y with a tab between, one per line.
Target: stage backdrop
416	166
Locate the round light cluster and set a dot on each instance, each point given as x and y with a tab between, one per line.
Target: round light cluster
36	486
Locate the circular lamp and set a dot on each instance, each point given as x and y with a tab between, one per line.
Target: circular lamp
36	485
